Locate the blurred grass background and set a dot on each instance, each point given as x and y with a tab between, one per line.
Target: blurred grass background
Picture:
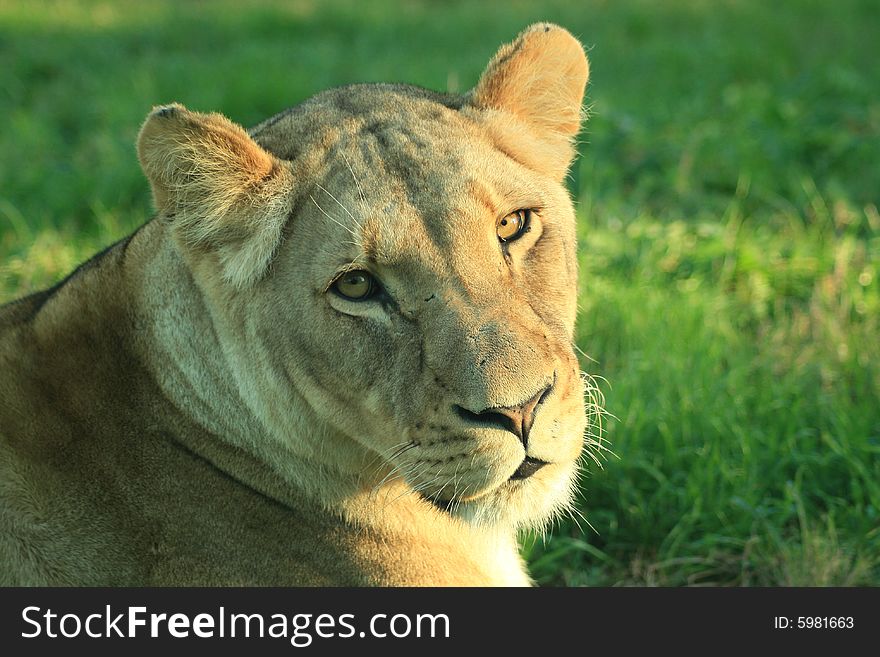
729	226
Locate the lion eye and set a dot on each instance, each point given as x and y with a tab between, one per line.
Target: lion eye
513	225
356	285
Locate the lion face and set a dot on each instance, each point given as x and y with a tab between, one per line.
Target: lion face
409	271
451	345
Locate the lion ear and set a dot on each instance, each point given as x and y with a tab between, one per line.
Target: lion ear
539	81
226	196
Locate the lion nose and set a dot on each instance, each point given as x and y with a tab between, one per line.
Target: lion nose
517	420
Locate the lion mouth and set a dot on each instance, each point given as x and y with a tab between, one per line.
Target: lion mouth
527	468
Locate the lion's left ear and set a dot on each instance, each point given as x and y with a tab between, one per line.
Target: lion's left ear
227	198
530	97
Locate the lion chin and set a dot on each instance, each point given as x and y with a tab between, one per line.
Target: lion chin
341	353
526	504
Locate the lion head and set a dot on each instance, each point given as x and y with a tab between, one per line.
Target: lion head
393	273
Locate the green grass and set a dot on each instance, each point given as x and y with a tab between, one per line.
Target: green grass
730	236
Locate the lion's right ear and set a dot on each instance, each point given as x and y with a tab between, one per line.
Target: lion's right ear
530	97
227	197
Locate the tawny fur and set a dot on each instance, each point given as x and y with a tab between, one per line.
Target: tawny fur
197	406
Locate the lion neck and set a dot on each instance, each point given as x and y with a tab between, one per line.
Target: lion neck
192	353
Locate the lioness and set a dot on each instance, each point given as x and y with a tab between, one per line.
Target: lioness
339	354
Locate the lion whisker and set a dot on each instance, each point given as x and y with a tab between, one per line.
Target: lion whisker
334	219
339	203
356	181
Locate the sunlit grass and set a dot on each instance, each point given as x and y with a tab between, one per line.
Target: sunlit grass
743	373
